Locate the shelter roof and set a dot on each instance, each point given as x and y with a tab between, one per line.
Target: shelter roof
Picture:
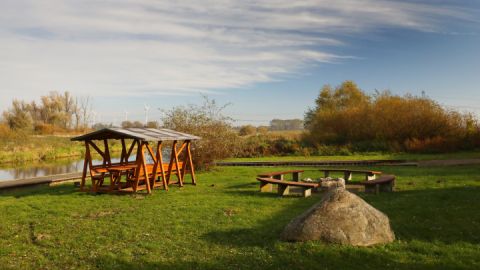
143	134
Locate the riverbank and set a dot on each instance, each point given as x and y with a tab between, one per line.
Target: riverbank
38	148
31	148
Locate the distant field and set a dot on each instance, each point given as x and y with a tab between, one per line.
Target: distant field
226	223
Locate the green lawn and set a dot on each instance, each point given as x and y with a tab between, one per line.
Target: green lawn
369	156
225	223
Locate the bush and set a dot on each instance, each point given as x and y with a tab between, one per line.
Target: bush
44	129
247	130
218	139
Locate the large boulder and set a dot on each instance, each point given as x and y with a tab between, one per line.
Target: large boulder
341	217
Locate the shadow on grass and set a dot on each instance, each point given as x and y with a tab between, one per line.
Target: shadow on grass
35	190
58	190
301	257
442	215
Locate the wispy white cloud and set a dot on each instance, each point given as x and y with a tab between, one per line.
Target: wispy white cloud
116	47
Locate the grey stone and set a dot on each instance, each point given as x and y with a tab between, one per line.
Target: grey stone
332	183
343	218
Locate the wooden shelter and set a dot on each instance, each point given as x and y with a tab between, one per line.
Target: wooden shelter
138	173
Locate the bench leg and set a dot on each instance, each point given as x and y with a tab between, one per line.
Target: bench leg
297	176
266	187
347	176
307	192
369	189
377	189
387	187
278	177
326	174
283	190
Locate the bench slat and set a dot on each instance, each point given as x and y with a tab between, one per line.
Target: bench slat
279	173
382	180
288	183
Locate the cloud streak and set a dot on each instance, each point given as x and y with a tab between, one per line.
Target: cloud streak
117	48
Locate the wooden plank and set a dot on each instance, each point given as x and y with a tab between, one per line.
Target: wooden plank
298	184
100	152
130	150
279	173
123	156
40	180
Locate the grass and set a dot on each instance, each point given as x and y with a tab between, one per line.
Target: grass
368	156
225	223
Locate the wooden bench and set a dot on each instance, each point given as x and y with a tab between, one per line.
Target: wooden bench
296	174
266	185
347	174
384	183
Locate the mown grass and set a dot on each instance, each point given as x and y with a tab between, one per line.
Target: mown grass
225	223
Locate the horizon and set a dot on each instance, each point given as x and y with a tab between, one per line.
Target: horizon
268	60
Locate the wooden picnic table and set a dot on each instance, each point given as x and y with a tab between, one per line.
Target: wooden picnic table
138	174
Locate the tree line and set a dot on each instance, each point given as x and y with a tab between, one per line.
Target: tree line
55	111
346	115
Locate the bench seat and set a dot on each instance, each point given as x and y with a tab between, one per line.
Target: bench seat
369	175
266	185
385	183
296	174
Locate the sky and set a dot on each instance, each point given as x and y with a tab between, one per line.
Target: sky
266	59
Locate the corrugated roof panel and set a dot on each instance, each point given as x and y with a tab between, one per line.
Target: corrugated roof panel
144	134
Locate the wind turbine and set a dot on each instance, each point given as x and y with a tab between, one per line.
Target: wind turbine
126	116
146	107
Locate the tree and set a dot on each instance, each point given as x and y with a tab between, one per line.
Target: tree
18	117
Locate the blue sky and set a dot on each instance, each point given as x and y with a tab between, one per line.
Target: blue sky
267	58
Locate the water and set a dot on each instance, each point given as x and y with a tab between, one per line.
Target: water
31	170
59	166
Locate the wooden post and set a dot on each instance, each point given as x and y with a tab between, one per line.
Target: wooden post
174	158
144	164
160	163
155	165
123	156
190	162
85	166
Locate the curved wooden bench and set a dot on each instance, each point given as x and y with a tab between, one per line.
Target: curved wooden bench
296	174
384	183
266	185
347	174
